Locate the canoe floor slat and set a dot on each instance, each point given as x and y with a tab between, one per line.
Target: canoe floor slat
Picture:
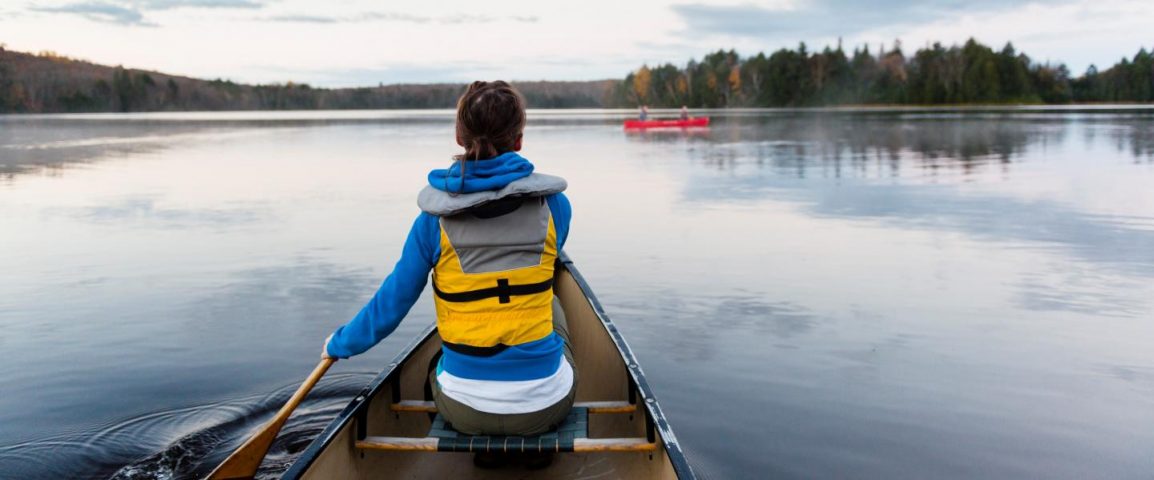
429	444
593	407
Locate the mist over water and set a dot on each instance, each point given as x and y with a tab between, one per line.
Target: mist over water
853	293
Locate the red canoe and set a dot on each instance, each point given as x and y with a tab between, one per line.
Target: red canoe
692	122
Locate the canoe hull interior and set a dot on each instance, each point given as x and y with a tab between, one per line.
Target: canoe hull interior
607	372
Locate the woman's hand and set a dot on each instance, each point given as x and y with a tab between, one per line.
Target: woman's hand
325	349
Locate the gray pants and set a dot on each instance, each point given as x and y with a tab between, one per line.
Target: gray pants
467	420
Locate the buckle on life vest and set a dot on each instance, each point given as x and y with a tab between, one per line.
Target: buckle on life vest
503	291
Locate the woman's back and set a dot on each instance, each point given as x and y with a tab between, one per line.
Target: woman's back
489	232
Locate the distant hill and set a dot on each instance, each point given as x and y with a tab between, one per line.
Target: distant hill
51	83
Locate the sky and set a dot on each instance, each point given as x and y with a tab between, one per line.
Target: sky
339	43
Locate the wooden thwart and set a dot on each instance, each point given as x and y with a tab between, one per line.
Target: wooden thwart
399	444
429	444
593	407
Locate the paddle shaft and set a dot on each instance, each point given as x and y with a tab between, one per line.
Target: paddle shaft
246	459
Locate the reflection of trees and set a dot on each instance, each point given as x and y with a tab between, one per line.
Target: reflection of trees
51	146
1133	134
1138	138
882	144
872	145
842	160
669	134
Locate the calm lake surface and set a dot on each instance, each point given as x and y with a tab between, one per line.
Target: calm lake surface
840	294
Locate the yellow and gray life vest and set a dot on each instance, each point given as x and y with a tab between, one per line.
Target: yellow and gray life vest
493	283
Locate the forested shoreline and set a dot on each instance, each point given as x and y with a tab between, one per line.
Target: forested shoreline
966	74
936	75
52	83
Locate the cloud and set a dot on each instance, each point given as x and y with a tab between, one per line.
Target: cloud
1075	32
123	12
458	72
825	18
171	4
302	19
391	17
99	12
456	19
465	18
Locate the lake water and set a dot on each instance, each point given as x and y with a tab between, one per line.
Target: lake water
840	294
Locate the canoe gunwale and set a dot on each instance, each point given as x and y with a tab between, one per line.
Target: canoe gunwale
362	400
356	406
672	447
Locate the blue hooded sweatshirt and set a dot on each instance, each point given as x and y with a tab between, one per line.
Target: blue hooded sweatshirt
400	290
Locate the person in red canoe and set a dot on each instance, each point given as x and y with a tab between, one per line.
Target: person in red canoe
684	112
644	113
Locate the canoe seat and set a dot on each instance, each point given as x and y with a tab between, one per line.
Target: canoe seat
571	436
575	426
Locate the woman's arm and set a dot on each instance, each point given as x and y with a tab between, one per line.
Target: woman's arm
396	296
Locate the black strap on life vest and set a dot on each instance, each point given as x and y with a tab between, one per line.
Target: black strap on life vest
475	351
503	291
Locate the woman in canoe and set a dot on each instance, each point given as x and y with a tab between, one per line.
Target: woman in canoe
489	231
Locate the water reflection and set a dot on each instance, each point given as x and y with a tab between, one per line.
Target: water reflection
1134	136
693	323
193	330
151	211
1141	378
1073	288
668	134
187	442
787	140
52	146
836	145
1120	245
900	294
292	296
773	159
839	143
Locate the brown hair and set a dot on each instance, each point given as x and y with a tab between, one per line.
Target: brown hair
490	119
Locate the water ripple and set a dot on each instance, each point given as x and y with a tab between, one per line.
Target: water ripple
186	442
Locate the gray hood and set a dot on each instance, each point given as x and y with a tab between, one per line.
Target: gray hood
444	204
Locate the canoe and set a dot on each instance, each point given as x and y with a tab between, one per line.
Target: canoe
388	430
692	122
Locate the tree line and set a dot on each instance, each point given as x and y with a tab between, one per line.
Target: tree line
935	75
971	73
51	83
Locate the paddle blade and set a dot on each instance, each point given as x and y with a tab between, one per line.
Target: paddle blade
242	464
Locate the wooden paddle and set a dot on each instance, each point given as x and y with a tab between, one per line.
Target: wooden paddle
246	459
